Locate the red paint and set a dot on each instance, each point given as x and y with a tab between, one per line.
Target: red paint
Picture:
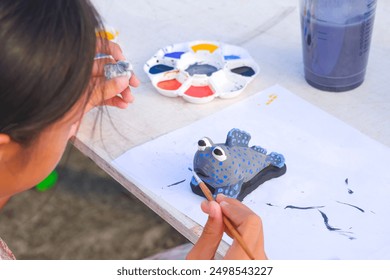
169	84
202	91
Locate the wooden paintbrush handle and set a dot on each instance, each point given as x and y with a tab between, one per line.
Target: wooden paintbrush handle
237	236
206	191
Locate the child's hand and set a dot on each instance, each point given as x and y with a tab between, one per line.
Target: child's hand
115	92
247	223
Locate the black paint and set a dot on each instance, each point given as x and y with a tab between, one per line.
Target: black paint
244	71
346	181
174	184
358	208
326	220
350	191
302	208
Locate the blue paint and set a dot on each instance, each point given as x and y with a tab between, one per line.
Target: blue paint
231	57
244	71
176	55
160	68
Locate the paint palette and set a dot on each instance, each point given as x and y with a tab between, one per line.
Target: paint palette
199	71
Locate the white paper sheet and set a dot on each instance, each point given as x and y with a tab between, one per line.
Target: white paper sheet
321	152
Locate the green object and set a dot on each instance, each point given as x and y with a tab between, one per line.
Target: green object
49	182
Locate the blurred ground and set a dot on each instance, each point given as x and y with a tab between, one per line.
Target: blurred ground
87	215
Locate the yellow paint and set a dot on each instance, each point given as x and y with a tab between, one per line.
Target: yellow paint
271	99
109	35
205	47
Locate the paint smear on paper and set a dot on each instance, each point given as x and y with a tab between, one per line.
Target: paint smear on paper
302	208
271	99
177	183
201	91
169	84
354	206
160	68
326	221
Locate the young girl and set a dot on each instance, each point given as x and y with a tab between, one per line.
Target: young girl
49	80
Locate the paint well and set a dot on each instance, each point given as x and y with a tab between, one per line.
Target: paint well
205	47
176	55
159	68
169	84
199	91
201	69
244	71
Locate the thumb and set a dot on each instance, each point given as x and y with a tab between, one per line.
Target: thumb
212	233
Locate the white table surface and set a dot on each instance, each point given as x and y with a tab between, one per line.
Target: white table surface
269	30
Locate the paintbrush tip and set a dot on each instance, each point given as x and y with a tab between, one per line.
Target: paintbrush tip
196	176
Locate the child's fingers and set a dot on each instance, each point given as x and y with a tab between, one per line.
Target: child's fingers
127	96
98	66
241	216
116	102
110	88
212	233
250	227
221	197
104	90
134	81
107	47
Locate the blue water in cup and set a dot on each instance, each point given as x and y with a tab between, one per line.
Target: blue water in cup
336	37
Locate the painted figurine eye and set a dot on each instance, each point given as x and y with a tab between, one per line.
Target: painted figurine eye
219	154
204	143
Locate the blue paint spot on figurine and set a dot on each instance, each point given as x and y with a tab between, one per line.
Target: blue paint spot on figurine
239	178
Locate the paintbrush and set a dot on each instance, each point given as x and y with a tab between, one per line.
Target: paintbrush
226	221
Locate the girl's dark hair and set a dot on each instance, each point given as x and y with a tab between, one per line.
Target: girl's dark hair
47	49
